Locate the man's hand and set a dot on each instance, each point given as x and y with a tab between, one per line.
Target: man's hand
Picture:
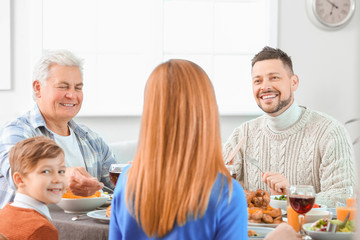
276	182
81	183
283	232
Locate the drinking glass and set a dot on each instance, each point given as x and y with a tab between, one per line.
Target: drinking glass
231	170
301	199
345	202
115	170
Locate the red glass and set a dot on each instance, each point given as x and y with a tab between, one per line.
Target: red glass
114	177
301	204
115	171
301	199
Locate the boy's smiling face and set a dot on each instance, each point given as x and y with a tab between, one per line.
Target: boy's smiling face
46	182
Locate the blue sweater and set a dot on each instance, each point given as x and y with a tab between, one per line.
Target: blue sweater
222	220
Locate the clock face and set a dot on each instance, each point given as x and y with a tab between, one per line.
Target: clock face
333	13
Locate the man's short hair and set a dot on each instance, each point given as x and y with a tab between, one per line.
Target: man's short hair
268	53
60	57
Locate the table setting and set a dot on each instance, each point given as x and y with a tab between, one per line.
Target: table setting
312	220
300	210
341	225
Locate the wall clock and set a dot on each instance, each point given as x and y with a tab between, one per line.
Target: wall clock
330	14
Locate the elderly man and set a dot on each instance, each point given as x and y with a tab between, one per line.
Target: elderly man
292	144
57	85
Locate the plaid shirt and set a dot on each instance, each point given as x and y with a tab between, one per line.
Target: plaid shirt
96	153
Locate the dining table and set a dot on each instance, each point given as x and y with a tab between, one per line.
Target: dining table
83	228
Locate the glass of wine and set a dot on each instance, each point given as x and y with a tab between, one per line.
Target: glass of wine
231	170
302	199
115	170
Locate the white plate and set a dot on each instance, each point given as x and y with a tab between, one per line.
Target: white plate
326	235
99	215
269	225
266	225
81	205
261	231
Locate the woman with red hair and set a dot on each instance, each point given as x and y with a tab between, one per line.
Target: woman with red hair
178	186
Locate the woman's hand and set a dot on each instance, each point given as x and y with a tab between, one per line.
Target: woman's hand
283	232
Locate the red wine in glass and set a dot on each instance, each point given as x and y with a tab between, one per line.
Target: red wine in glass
301	203
114	172
114	177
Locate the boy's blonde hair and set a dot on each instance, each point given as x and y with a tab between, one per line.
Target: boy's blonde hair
25	155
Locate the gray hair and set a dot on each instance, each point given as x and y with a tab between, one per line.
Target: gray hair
60	57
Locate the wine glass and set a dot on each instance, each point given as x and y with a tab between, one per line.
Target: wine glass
302	199
231	170
114	171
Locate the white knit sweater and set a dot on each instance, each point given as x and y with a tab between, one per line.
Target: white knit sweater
316	150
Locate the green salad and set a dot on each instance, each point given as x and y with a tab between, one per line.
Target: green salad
349	226
282	197
321	225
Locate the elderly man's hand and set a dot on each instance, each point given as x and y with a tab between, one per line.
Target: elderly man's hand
276	182
283	232
81	183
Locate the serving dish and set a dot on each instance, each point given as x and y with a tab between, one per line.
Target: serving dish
263	225
82	205
315	214
278	203
327	235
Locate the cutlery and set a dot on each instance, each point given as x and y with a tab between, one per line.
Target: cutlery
231	156
345	221
254	162
108	188
78	216
331	227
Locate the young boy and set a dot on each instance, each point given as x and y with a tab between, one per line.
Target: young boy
38	169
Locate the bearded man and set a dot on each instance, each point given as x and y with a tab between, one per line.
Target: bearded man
293	144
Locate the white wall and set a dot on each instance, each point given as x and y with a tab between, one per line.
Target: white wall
326	62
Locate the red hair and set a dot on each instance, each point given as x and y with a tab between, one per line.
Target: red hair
179	153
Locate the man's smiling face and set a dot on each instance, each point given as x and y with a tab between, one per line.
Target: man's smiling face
60	99
273	86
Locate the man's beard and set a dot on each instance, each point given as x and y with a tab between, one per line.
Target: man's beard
280	106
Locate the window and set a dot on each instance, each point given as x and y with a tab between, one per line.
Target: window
123	41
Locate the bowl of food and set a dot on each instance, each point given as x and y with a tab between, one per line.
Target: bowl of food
71	203
318	231
278	201
315	214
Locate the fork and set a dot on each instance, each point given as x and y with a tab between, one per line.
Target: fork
333	227
108	188
342	225
254	162
78	216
